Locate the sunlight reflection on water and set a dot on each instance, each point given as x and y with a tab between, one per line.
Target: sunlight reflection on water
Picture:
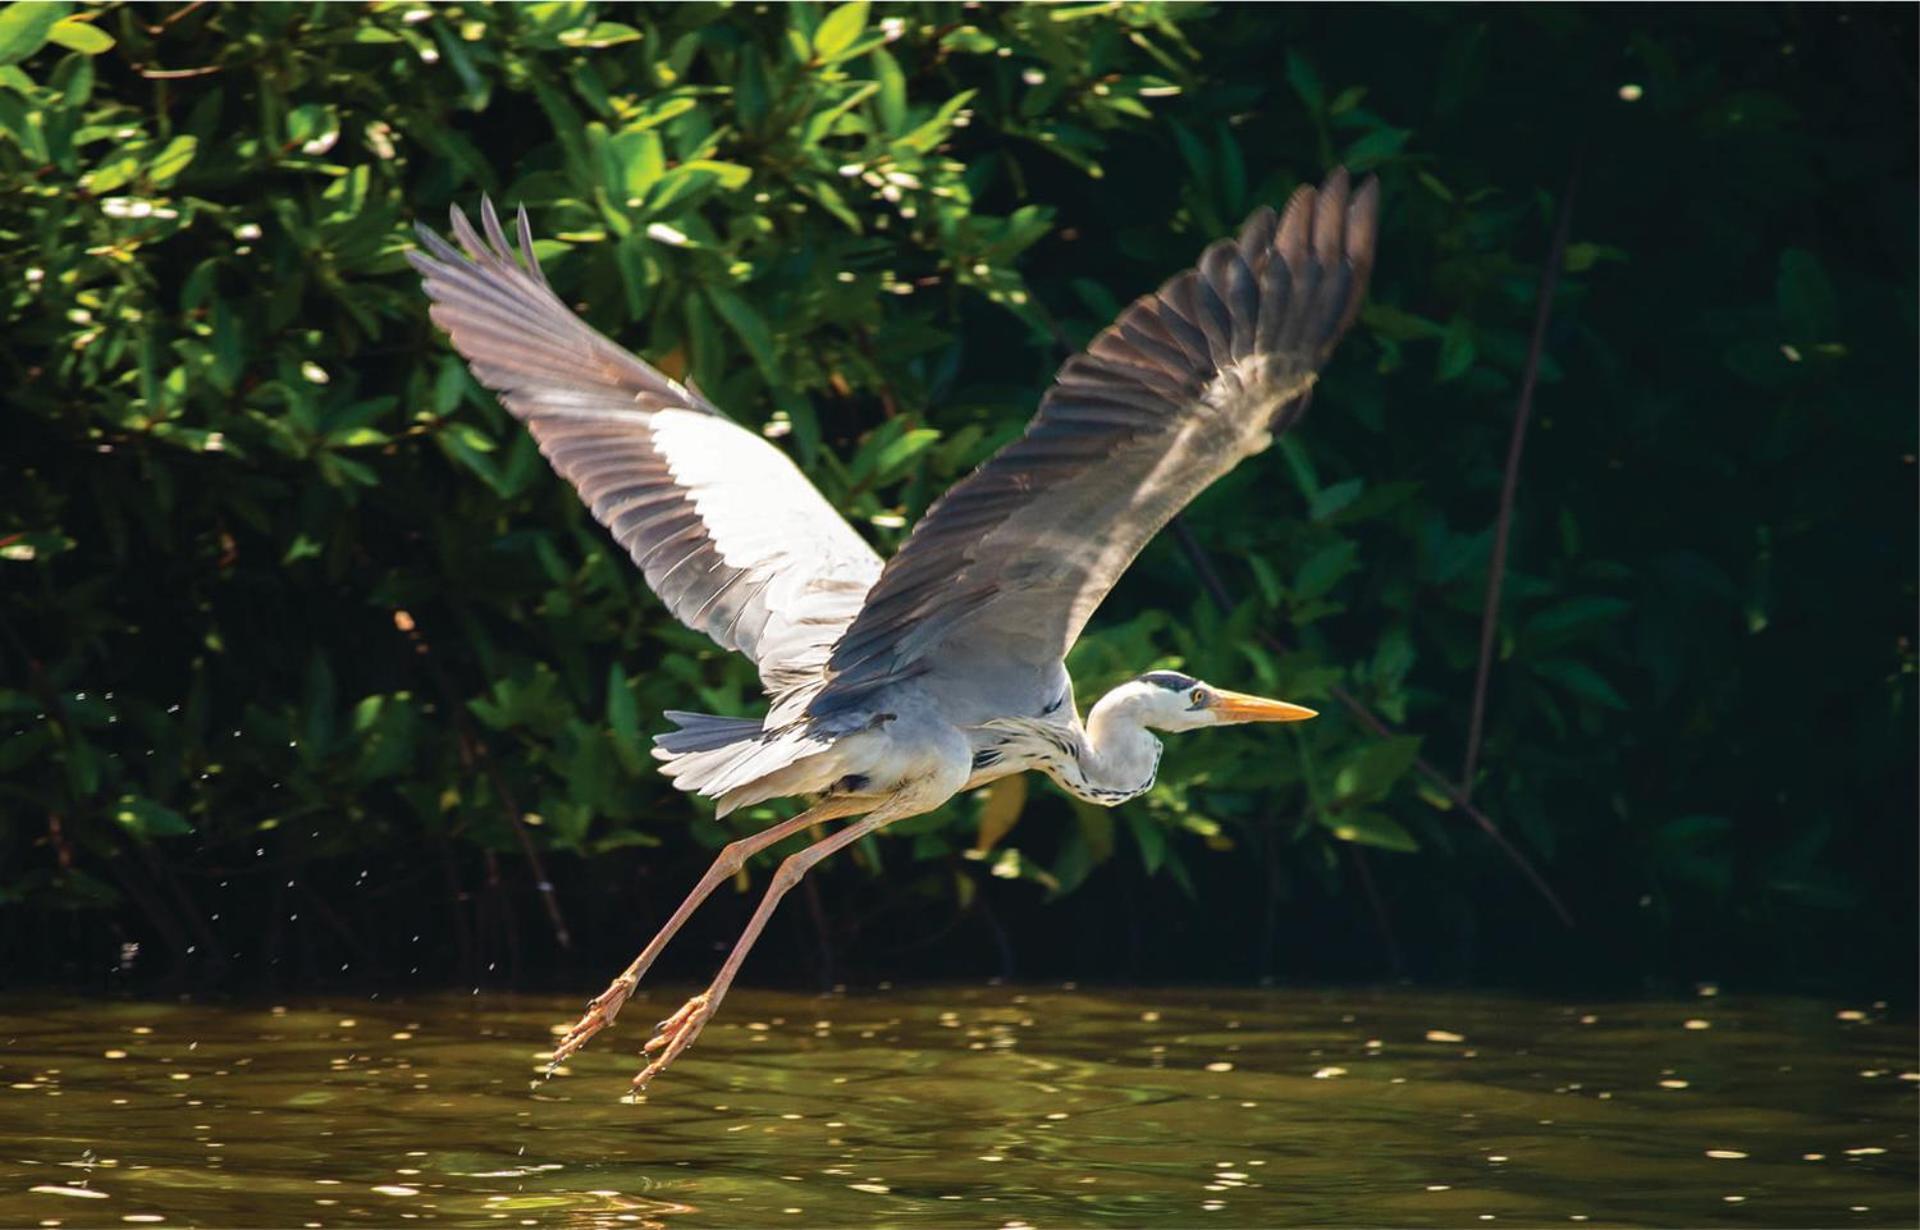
995	1106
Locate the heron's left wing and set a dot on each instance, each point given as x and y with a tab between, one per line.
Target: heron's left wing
997	580
729	533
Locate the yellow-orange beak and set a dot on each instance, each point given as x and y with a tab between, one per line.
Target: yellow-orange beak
1239	707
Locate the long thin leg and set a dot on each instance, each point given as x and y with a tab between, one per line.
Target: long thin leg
601	1012
677	1032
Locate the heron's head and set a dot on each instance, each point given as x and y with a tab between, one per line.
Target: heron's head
1169	700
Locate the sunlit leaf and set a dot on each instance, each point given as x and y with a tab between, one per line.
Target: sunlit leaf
838	30
25	26
78	35
171	161
146	819
600	35
1371	828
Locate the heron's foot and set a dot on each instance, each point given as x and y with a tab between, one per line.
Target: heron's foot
599	1014
674	1035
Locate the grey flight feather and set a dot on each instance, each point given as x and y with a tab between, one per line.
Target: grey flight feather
995	583
727	530
704	732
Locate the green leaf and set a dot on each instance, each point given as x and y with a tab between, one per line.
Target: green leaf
969	40
623	719
1805	297
19	750
934	131
638	159
1380	145
25	27
1369	828
33	545
1688	830
752	329
1075	12
1372	773
530	699
1456	351
838	30
1331	500
117	171
621	839
899	453
1573	614
172	160
1197	158
1581	680
146	819
892	100
663	110
77	34
821	125
1584	256
1305	83
829	199
1324	569
1347	100
731	175
601	34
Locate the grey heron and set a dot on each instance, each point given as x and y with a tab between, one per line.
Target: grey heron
895	685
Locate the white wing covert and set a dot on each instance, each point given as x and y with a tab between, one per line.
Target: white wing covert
728	532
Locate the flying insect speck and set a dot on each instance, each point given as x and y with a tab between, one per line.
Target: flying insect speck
896	684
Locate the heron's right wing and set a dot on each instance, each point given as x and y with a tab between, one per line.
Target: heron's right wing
729	533
997	580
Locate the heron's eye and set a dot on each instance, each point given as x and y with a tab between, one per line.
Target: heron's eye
1199	697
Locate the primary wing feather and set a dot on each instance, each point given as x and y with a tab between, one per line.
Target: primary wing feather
997	580
727	530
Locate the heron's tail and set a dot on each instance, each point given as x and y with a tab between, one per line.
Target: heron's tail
736	760
703	732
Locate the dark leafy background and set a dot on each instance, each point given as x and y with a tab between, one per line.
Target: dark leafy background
310	672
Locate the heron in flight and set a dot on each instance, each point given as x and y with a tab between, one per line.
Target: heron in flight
896	684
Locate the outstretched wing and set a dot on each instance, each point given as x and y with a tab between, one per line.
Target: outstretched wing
997	580
729	533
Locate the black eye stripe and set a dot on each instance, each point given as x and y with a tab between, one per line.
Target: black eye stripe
1172	681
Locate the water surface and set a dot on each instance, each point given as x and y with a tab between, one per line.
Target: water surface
989	1107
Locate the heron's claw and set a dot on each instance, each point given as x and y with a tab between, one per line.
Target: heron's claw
672	1036
599	1014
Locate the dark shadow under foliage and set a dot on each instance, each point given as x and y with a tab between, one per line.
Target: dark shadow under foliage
310	672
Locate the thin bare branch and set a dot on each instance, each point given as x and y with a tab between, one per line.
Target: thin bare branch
178	74
1516	444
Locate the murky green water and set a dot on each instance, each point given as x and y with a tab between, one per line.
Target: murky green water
964	1107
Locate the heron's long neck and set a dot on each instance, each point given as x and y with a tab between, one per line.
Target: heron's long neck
1117	757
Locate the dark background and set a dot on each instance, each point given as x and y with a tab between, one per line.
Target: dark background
310	672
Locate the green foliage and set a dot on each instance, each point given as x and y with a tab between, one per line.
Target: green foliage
281	588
